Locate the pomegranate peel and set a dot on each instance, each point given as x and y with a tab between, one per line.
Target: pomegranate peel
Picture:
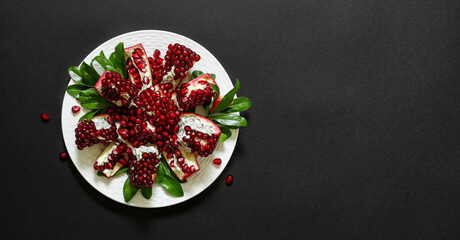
182	162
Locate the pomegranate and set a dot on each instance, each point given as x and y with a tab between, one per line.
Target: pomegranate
198	134
172	69
114	88
113	158
196	92
138	67
98	130
142	170
182	162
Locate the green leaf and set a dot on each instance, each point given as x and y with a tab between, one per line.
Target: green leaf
102	54
213	76
239	104
227	99
88	78
231	120
101	64
122	170
146	192
225	133
112	58
196	73
96	103
75	90
90	92
99	173
208	105
172	186
75	74
119	60
164	169
129	190
89	115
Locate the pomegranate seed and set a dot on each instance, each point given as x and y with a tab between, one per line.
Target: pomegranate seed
229	179
217	161
63	155
75	109
45	117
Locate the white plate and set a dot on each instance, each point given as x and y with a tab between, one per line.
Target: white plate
113	187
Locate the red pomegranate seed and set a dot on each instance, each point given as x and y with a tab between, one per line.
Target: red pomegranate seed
229	179
217	161
63	155
45	117
75	109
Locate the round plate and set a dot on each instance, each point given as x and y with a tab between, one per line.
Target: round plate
113	187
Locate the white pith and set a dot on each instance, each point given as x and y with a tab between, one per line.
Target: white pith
149	148
194	123
101	123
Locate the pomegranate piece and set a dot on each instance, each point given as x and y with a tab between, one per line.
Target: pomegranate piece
138	66
75	109
217	161
98	130
173	67
198	134
196	92
143	170
116	89
182	162
229	180
113	158
45	117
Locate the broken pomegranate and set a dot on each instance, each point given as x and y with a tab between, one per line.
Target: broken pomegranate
138	67
113	158
196	92
114	88
98	130
198	134
182	162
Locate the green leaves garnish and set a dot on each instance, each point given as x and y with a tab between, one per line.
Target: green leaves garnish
227	99
168	179
230	120
146	192
129	190
225	113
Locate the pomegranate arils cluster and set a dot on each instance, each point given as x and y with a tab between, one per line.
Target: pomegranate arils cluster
180	57
87	134
141	172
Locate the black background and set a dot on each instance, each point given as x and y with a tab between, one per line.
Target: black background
353	133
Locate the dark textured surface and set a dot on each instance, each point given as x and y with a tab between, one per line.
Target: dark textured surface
354	130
